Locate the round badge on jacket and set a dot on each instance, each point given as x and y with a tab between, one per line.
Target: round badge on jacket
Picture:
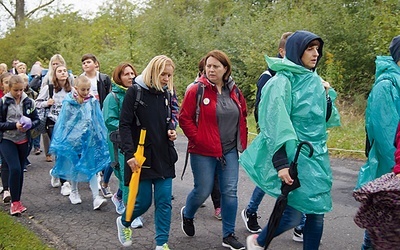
206	101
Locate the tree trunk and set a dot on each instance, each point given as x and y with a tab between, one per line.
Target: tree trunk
19	12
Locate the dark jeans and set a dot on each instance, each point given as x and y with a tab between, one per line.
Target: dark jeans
216	193
14	156
4	173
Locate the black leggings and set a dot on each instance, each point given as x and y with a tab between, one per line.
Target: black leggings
49	129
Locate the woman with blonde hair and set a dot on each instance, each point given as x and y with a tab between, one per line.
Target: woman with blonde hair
152	112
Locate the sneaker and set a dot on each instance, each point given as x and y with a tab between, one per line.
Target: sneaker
231	242
250	221
137	223
297	235
217	213
55	182
6	196
163	247
187	225
25	169
75	198
119	204
22	208
105	191
203	205
15	208
124	233
49	158
251	243
99	202
66	189
37	151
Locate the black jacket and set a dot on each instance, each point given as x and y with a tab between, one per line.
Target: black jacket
153	114
103	87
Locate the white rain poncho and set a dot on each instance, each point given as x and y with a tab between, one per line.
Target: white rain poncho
293	107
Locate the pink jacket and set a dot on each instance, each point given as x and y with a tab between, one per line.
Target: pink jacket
396	168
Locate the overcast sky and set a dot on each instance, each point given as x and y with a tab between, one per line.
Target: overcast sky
84	6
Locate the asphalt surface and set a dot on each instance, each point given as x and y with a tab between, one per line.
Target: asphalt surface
62	225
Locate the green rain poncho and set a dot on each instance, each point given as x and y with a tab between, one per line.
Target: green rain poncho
381	119
293	107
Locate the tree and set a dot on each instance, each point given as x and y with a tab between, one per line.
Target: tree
16	9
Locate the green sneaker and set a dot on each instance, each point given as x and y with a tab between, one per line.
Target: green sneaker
124	233
163	247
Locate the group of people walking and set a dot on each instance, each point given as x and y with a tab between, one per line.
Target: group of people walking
94	125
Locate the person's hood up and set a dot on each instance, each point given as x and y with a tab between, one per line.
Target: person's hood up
298	42
386	67
394	48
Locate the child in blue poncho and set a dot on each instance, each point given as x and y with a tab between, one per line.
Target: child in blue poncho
80	142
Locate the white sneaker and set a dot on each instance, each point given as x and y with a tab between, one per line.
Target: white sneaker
137	223
99	202
6	196
66	189
75	198
55	182
251	243
119	204
124	233
163	247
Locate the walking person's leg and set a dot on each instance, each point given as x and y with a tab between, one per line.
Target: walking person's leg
216	198
203	169
249	215
312	231
162	211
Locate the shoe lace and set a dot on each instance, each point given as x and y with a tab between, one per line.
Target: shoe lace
165	246
127	233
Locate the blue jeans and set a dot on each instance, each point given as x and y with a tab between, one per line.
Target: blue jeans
367	244
162	203
107	174
203	169
255	200
36	142
312	231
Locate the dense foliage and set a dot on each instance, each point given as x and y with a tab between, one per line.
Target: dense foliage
354	33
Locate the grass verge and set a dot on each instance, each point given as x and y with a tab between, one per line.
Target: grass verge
15	236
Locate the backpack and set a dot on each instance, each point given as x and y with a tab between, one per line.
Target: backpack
260	85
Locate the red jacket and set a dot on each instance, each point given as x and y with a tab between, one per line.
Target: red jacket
396	168
204	139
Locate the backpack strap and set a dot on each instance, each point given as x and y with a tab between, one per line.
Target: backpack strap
138	100
51	90
199	98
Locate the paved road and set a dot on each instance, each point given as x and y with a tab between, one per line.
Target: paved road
66	226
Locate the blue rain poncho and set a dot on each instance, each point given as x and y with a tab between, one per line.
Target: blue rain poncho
293	108
381	120
79	140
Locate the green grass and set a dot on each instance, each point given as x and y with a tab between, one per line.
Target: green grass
13	235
